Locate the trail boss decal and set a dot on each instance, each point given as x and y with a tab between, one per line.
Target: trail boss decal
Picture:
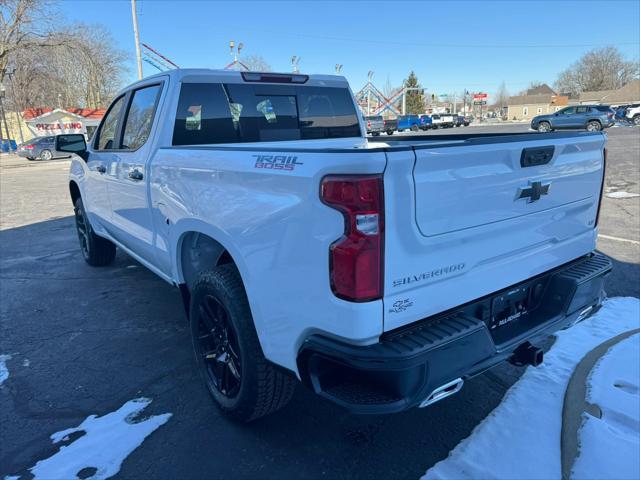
438	272
277	162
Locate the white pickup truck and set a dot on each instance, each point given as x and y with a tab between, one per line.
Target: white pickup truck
380	274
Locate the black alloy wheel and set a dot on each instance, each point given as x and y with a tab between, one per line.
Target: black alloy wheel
218	347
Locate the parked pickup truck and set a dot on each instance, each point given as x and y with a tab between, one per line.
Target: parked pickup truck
380	274
390	125
408	122
426	122
375	124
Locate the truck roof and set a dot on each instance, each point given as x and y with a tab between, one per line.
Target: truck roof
214	75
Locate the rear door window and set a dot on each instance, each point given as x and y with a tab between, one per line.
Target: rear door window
210	113
140	117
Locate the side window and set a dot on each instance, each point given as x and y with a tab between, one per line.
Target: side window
582	109
204	115
107	131
568	111
140	117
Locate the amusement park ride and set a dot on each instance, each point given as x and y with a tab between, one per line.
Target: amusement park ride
370	99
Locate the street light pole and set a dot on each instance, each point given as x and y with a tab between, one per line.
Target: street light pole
134	16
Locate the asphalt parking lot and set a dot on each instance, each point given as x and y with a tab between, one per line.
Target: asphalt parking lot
86	340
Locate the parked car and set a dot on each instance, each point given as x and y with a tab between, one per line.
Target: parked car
459	119
633	114
390	125
621	113
40	148
408	122
467	119
425	122
448	120
379	277
587	117
375	124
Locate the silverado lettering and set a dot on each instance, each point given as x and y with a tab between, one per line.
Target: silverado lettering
425	276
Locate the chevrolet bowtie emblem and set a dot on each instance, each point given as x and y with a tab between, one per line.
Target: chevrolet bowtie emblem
534	191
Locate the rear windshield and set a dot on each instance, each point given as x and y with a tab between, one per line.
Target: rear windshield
210	113
373	117
602	108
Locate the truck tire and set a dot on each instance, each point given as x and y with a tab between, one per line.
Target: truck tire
414	128
636	119
390	132
244	385
594	126
97	251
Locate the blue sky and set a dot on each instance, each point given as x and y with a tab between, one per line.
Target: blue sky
450	45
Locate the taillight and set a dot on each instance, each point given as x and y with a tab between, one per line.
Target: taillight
604	174
368	123
28	147
356	259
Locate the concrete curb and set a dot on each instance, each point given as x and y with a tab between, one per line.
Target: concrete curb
575	402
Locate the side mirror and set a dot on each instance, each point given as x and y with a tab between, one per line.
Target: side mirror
72	143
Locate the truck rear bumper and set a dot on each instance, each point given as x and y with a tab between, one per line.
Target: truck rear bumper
429	359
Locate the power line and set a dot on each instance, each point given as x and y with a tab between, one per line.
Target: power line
279	32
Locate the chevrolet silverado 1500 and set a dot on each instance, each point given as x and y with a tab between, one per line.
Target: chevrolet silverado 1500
380	274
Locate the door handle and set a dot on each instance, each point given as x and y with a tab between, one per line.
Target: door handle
101	169
136	174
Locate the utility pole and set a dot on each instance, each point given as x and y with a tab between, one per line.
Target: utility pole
134	16
370	76
464	100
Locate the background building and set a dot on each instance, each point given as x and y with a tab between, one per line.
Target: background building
537	101
630	93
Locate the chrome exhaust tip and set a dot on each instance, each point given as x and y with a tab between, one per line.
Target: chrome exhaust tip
443	391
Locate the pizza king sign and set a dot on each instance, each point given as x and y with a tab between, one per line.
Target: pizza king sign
70	127
60	121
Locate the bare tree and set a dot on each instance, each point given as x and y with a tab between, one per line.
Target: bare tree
23	26
85	71
600	69
502	96
256	63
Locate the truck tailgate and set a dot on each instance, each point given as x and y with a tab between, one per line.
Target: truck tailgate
466	219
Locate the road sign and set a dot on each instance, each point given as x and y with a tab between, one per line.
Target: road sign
480	96
479	102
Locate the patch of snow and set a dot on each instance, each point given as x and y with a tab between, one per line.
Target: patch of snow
105	443
4	371
520	439
610	446
622	195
